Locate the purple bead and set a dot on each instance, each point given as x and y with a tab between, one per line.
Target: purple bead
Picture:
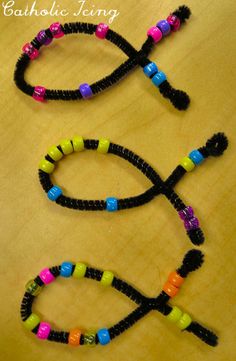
85	91
192	223
43	38
186	213
164	26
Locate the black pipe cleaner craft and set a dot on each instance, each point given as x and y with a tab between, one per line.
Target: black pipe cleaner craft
192	261
178	98
214	147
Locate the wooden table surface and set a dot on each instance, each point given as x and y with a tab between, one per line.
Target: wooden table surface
141	245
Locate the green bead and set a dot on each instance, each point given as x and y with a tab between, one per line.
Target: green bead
33	288
103	145
187	164
90	338
107	278
32	321
184	322
175	314
79	270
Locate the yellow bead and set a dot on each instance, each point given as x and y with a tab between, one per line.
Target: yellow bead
103	146
175	314
80	270
55	153
90	338
33	288
46	166
107	278
66	146
78	143
32	321
187	164
184	322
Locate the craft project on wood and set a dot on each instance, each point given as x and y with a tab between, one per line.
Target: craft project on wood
214	147
75	337
178	98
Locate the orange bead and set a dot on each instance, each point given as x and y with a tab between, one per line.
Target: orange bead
175	279
170	289
74	337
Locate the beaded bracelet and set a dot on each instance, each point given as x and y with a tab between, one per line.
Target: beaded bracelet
214	147
178	98
192	261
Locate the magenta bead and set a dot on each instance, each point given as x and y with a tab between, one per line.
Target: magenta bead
101	30
192	223
155	33
186	213
46	276
30	51
56	30
39	93
174	22
43	330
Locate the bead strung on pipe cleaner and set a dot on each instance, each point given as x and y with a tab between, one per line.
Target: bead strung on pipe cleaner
214	147
178	98
75	337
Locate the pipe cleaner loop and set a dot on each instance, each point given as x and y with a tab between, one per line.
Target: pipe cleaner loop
113	204
178	98
192	261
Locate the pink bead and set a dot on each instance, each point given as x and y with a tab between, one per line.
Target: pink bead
39	93
46	276
56	30
174	22
30	51
44	330
101	30
155	33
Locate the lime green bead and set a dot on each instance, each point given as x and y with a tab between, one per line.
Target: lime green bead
46	166
33	288
78	143
32	321
55	153
187	164
107	278
175	314
184	322
66	146
90	338
80	270
103	146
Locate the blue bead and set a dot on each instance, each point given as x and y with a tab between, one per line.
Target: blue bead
54	193
103	336
66	269
85	91
196	157
159	78
164	26
150	69
111	204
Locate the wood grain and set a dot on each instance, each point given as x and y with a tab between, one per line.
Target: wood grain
140	245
